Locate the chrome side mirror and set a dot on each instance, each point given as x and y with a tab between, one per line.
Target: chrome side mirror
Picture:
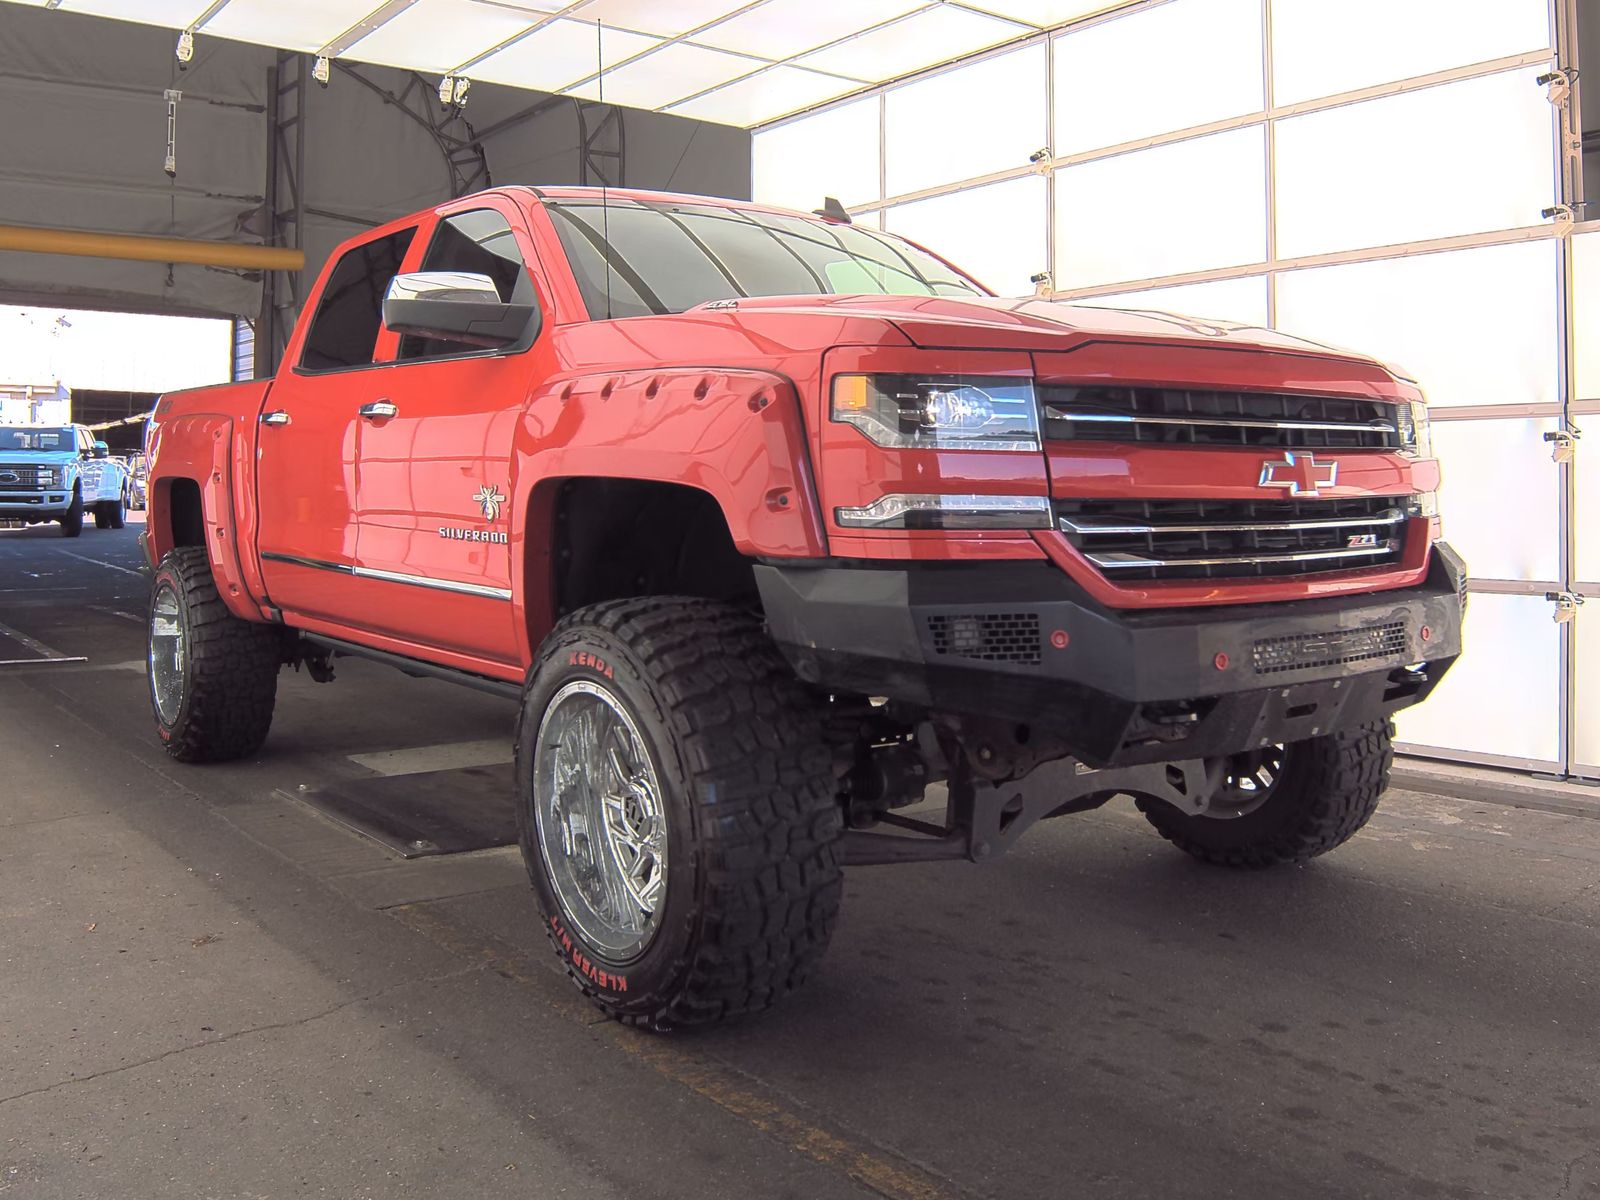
457	306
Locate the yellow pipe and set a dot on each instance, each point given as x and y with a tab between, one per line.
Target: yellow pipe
141	248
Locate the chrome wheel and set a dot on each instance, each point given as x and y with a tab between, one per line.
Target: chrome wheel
1248	782
168	645
601	820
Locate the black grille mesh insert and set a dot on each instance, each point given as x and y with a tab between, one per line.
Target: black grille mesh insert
1190	417
987	637
1302	651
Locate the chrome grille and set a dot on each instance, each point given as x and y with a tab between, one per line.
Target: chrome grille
1234	539
1190	417
29	477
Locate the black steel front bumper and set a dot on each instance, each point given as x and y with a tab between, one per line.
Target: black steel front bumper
1022	642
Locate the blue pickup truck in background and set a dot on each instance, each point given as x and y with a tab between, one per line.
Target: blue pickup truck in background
59	473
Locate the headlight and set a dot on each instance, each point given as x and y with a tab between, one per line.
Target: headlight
1415	437
50	476
944	412
917	511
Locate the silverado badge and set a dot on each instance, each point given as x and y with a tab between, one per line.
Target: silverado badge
489	497
1302	474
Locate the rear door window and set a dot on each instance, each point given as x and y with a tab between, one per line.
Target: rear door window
344	331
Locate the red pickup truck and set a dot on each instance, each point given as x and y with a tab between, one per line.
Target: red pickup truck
770	522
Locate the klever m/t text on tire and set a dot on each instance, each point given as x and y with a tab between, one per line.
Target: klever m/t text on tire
213	677
677	811
1286	804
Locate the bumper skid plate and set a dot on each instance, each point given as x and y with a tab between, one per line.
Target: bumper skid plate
1023	643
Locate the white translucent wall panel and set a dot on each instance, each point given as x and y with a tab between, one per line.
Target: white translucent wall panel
765	96
1501	497
1586	707
439	35
1170	67
1242	300
1586	315
784	28
562	52
1501	697
935	35
834	153
305	25
1459	158
967	122
994	233
1586	509
1472	326
1189	206
674	72
1322	47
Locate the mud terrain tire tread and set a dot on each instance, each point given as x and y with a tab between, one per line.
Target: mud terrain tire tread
762	800
232	670
1330	787
72	520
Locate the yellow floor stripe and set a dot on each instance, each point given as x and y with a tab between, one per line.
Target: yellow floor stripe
868	1165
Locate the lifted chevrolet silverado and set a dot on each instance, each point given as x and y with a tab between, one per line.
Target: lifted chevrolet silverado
770	522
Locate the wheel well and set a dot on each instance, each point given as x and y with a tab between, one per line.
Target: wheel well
618	538
185	513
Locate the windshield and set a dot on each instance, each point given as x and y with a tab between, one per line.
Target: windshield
36	439
668	257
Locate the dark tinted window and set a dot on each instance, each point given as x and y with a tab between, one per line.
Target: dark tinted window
344	331
481	242
671	257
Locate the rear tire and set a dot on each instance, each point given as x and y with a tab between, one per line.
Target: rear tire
116	514
1327	789
710	755
213	677
72	520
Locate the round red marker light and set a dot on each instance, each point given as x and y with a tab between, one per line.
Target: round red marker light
1059	639
1220	661
1427	634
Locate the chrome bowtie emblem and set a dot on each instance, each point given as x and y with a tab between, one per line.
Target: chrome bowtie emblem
1301	474
489	498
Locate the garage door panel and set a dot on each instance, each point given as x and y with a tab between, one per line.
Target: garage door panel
1501	496
1322	49
1586	706
1140	74
1122	218
834	153
1502	697
994	232
967	122
1443	318
1455	159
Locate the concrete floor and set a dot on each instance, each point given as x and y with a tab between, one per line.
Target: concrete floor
206	990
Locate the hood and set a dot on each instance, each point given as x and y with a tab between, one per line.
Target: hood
992	323
37	458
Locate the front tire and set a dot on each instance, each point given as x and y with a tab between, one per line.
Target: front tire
72	519
1312	800
677	811
213	677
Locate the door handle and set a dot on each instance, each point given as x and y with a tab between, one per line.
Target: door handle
379	409
276	417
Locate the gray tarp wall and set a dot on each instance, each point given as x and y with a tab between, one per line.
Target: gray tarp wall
85	135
